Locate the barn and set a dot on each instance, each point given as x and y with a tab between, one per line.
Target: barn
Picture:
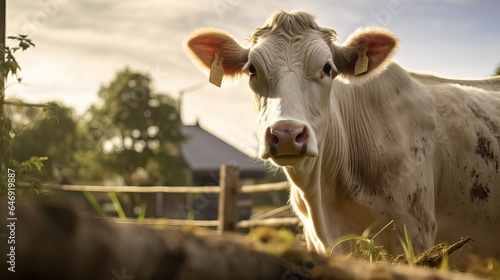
204	153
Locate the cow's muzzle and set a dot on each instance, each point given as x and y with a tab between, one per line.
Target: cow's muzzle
286	142
292	141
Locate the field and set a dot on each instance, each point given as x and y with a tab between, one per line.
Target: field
70	245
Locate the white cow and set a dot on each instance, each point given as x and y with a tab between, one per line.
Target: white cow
373	147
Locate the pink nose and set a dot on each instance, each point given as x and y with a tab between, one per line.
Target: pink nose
286	139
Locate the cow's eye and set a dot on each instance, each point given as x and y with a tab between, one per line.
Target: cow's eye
251	69
327	69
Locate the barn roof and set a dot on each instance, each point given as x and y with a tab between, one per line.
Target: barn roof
205	153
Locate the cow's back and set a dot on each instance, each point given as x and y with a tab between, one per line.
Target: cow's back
490	83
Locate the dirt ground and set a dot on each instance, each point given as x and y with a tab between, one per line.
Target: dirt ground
53	241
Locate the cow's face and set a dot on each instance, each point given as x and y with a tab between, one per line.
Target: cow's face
291	65
291	79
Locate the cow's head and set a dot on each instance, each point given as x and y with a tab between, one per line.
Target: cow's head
291	63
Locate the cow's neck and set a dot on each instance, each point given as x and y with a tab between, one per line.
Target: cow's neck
327	170
376	116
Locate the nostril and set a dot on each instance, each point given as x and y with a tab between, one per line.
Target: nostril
271	138
274	140
301	138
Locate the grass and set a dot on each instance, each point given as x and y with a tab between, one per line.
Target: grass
365	247
408	247
93	201
117	205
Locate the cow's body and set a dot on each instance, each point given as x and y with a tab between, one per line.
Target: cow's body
370	148
421	153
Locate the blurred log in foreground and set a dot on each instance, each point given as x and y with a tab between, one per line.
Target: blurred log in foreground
53	242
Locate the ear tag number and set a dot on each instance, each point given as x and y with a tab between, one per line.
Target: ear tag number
361	65
216	70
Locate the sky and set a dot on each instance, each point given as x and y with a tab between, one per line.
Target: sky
81	45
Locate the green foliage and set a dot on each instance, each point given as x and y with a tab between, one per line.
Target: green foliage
25	147
497	72
34	163
26	170
136	132
10	65
50	132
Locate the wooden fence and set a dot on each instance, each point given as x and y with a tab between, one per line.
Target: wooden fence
228	193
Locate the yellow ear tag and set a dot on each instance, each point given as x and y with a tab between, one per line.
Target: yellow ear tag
361	65
216	70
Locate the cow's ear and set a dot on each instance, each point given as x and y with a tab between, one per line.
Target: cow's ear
202	45
378	45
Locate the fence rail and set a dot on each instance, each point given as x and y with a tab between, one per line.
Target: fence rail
228	190
135	189
279	186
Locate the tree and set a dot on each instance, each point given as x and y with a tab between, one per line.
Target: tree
137	132
497	72
51	134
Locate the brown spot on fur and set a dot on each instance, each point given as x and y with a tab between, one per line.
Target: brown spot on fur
479	191
414	200
483	149
480	114
416	210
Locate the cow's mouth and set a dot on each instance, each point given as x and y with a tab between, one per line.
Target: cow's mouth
287	157
274	150
287	160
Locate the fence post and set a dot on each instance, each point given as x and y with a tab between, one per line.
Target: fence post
228	196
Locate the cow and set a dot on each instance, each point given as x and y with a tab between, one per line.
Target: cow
364	142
